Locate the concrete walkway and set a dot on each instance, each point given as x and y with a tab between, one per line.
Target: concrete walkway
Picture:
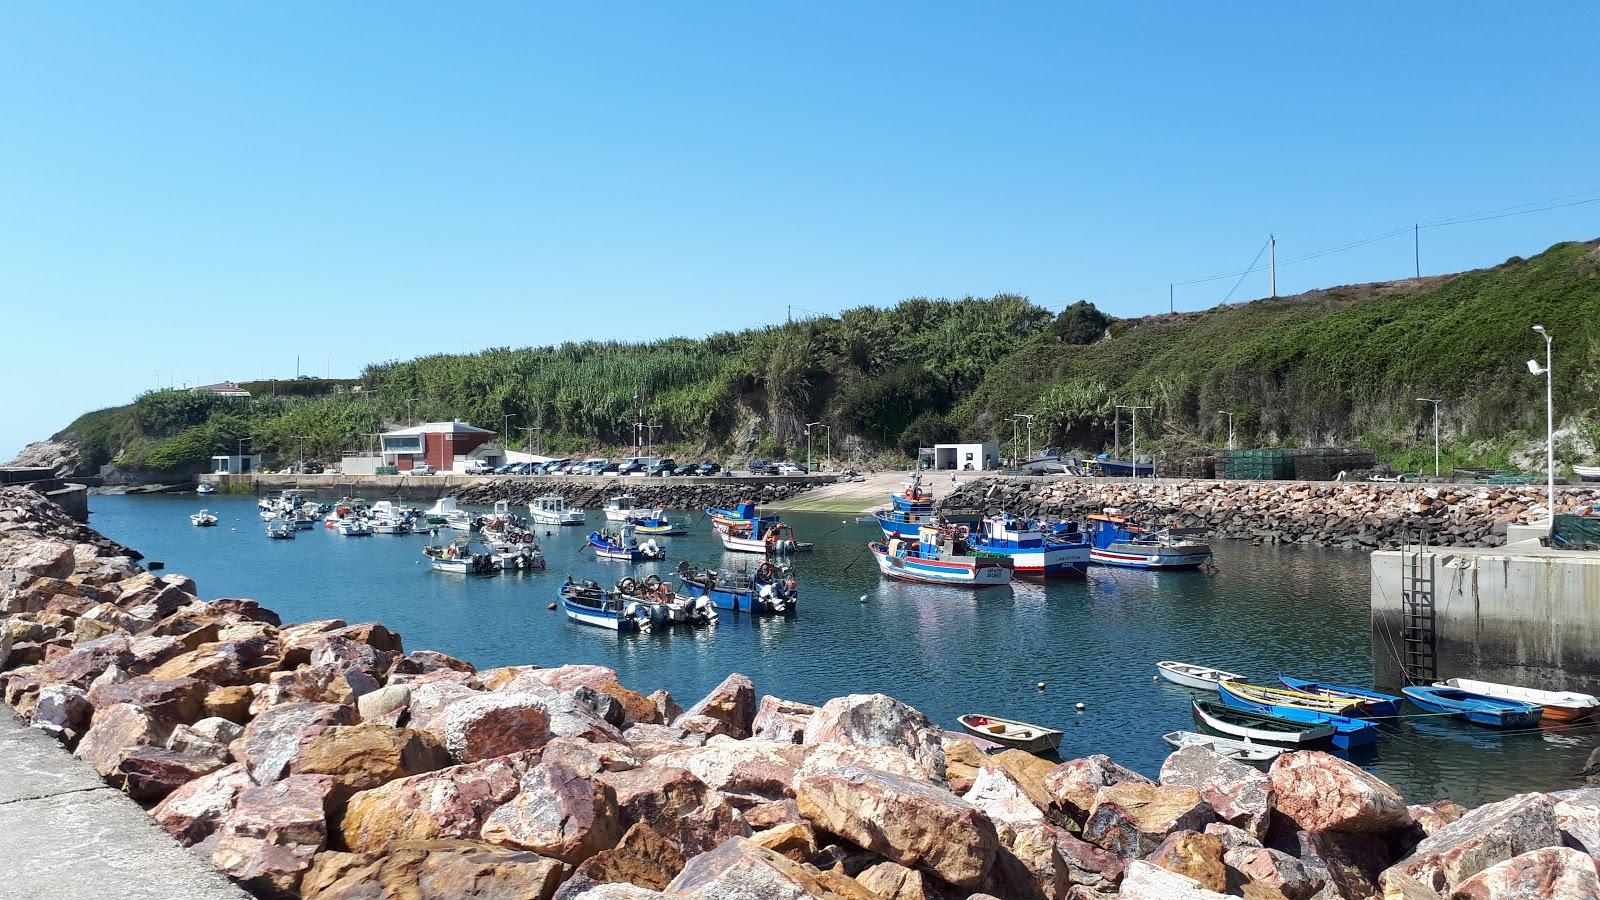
65	835
861	497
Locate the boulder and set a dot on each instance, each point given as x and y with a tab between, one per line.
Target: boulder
746	772
617	891
1036	851
437	869
643	857
267	841
272	740
1577	813
1195	855
344	653
297	640
997	795
821	758
421	662
170	701
783	721
1550	873
667	709
62	711
230	702
677	805
483	726
1350	864
729	709
1430	817
1132	818
37	557
561	810
1488	835
114	732
448	803
1074	783
878	720
83	663
1239	794
892	881
1028	772
741	869
237	662
365	756
796	840
325	683
603	705
431	699
1144	881
907	821
193	811
962	760
650	741
1274	869
185	739
373	634
385	706
151	773
1319	792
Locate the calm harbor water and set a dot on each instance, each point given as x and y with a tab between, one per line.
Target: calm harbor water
946	651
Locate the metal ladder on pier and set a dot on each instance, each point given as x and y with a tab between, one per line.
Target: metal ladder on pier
1417	639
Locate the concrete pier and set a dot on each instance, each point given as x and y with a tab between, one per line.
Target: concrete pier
65	835
1521	614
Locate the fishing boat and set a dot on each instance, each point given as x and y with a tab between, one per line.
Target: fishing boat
665	607
1107	465
1239	751
588	603
1011	733
1480	709
552	510
1371	703
1117	542
1348	732
446	512
1584	473
1201	678
909	509
205	487
521	557
619	508
1282	696
770	591
280	530
460	558
1257	727
203	519
655	522
621	543
1559	706
940	555
356	527
742	530
1034	553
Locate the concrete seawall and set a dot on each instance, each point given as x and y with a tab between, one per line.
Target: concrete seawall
483	488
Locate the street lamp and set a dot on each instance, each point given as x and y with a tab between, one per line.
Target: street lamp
808	444
1223	412
1435	432
409	418
650	438
1029	417
1133	416
1549	417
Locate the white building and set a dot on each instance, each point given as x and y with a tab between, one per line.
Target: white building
235	463
966	457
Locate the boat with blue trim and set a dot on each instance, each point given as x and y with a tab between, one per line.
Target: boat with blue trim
743	530
1480	709
621	543
1347	732
1034	551
1107	465
656	522
588	603
770	591
940	555
1117	542
908	510
1371	703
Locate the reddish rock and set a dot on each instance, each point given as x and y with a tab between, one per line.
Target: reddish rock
877	720
194	810
1487	836
1074	783
731	707
373	634
962	760
1132	818
483	726
267	841
745	772
650	741
740	869
796	840
431	698
436	870
273	740
236	609
1195	855
667	709
224	662
297	640
365	756
82	663
1319	792
421	662
384	706
892	881
906	821
1577	814
325	683
35	556
1001	798
62	711
231	703
1430	817
1349	863
1144	881
643	857
1036	851
151	773
171	701
1551	873
1086	864
151	651
342	652
561	810
1240	795
677	805
781	720
190	739
1273	869
114	732
448	803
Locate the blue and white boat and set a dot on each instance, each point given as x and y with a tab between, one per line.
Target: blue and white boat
741	529
1479	709
621	543
1034	551
588	603
940	555
656	522
1371	703
1117	542
1347	732
1106	464
908	510
772	591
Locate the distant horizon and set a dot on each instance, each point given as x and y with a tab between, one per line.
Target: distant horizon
211	193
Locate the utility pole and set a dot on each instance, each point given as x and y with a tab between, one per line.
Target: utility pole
505	425
1549	417
1172	306
808	445
1133	414
1116	431
409	419
1416	247
530	429
1435	432
1222	412
300	467
1029	418
1272	256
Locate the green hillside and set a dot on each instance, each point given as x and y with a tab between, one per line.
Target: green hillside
1339	366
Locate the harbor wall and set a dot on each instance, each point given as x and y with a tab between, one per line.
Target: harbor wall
579	490
1523	614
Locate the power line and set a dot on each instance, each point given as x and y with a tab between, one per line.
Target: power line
1247	270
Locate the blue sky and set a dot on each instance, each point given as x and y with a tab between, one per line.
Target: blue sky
208	190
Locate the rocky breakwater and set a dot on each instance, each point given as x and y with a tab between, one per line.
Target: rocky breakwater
590	493
322	760
1353	515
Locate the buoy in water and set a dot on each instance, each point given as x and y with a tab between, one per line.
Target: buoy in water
863	598
1041	686
1078	707
551	606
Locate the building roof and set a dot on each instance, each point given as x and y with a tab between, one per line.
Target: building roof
222	387
456	427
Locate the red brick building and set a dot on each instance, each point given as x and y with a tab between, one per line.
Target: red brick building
436	443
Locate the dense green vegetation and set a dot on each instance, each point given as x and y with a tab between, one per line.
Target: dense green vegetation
1340	366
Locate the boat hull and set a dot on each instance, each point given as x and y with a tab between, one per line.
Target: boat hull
1559	706
1047	740
1199	683
1053	562
739	600
1347	732
1498	714
1372	703
957	572
1155	558
1277	732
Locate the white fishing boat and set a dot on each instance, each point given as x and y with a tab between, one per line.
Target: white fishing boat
203	519
205	487
1201	678
1559	706
280	530
459	558
1238	750
552	510
620	508
1587	473
446	512
355	527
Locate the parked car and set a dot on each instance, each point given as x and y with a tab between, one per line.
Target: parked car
762	467
687	469
631	467
790	468
609	468
708	468
660	467
479	467
422	469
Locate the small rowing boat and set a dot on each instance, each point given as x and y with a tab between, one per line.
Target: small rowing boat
1476	708
1251	726
203	519
1559	706
1372	703
1011	733
1239	751
1276	696
1347	732
1201	678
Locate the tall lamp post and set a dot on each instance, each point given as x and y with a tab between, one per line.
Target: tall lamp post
1549	417
1029	417
828	436
1223	412
650	438
410	420
1133	427
1435	432
808	444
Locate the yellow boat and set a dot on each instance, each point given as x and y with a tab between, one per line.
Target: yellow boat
1276	696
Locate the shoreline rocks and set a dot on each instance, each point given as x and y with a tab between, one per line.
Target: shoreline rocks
323	761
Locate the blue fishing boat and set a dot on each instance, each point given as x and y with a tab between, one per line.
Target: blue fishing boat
621	544
588	603
1106	464
743	530
1347	732
1476	708
909	509
771	591
655	522
940	555
1371	703
1034	551
1117	542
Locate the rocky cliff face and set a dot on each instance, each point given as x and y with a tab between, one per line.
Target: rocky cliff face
59	454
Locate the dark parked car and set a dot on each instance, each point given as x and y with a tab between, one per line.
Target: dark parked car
630	467
708	468
762	467
609	468
687	469
661	467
